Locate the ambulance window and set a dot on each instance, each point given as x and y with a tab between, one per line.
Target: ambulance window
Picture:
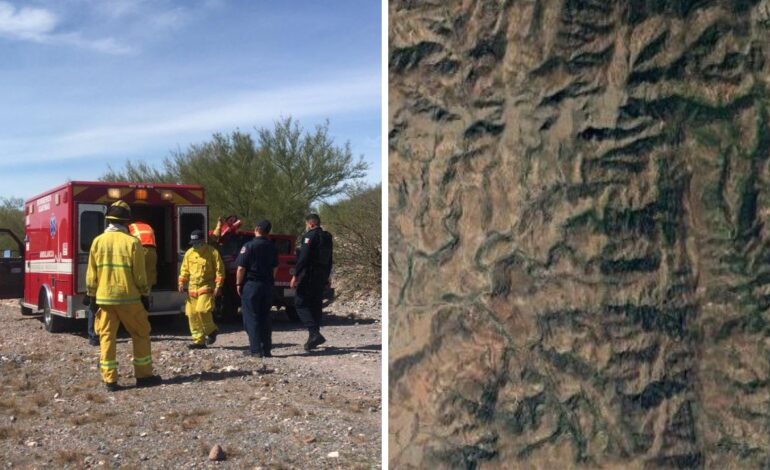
91	225
188	223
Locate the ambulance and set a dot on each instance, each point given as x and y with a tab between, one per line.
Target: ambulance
60	225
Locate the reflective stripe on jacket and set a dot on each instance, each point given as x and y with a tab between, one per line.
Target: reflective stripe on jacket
202	270
116	272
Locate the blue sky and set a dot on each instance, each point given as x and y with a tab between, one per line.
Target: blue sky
87	83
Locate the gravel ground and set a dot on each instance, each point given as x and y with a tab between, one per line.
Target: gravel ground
295	410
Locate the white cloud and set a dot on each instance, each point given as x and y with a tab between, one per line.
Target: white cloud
117	9
158	14
170	19
181	124
106	45
26	22
39	25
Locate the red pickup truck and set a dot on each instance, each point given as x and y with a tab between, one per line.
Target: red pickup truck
229	246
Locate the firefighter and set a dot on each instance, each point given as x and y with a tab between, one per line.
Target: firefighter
214	237
311	274
146	236
117	290
225	227
254	281
203	273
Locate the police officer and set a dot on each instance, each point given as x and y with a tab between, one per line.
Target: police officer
257	263
311	273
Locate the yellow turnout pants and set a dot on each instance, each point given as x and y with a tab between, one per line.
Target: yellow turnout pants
200	315
134	319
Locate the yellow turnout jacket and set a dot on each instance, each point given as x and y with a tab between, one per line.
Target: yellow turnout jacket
202	270
116	272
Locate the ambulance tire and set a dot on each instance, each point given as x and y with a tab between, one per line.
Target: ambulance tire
53	323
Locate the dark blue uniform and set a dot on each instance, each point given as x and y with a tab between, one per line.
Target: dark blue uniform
311	280
259	257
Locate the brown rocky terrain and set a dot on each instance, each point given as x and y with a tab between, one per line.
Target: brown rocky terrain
579	250
295	410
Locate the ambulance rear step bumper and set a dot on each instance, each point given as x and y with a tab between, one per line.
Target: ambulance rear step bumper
161	303
80	314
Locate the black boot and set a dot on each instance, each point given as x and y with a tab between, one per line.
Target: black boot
196	346
112	386
316	339
212	338
150	381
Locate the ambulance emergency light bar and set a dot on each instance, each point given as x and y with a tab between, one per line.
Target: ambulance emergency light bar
139	194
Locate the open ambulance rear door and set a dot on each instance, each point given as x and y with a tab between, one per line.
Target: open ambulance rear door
189	218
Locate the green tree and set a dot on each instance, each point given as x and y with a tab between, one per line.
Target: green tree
280	175
235	178
139	172
356	223
306	169
11	217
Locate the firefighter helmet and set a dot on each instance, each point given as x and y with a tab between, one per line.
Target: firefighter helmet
119	211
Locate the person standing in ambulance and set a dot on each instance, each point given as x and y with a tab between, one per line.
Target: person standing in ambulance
203	273
146	236
117	289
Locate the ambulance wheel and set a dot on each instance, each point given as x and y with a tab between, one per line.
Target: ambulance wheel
53	323
291	312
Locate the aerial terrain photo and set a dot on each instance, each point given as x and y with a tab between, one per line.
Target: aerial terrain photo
579	249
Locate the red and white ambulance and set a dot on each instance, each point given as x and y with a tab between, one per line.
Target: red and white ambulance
60	225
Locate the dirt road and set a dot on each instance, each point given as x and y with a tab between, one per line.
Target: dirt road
295	410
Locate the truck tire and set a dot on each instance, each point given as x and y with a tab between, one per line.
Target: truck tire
53	323
291	312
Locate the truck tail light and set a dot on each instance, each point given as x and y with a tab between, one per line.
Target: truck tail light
140	194
113	193
166	195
